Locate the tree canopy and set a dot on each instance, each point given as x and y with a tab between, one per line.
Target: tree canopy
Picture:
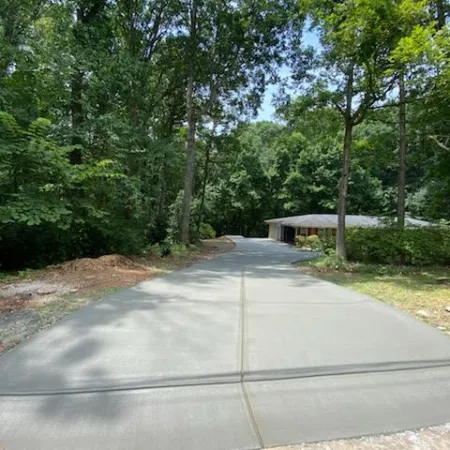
129	122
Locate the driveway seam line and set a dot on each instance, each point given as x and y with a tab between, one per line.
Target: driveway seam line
242	331
224	380
242	325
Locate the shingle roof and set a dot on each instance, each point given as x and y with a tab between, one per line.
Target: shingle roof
330	221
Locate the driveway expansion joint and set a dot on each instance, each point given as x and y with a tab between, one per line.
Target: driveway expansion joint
242	334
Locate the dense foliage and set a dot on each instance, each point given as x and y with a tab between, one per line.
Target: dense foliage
389	245
414	246
122	121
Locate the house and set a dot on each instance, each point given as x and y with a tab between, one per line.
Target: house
287	228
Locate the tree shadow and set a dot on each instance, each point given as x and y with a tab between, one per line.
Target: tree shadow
183	324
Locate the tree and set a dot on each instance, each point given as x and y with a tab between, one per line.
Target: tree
415	28
402	152
95	118
191	120
231	49
349	72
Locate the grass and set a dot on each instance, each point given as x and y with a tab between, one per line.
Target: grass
14	276
411	289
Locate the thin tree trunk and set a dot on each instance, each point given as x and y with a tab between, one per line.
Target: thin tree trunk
76	100
206	173
402	154
343	185
205	181
192	125
343	188
76	107
163	186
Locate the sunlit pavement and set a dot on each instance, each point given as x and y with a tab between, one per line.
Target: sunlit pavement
240	352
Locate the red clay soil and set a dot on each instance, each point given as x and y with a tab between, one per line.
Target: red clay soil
16	304
89	275
30	305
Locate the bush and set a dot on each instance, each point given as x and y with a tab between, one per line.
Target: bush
313	242
154	250
411	246
206	231
331	261
176	249
300	241
328	242
168	248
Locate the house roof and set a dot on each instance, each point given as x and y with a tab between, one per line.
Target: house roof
330	221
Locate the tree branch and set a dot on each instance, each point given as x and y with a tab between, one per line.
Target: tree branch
338	107
439	143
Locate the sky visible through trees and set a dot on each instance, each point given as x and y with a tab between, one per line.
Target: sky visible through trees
131	122
267	111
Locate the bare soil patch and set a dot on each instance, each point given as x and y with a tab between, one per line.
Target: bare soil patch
30	304
109	271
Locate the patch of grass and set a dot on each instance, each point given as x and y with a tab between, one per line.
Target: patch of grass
11	277
409	288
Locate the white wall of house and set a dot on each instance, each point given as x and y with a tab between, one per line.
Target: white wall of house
275	231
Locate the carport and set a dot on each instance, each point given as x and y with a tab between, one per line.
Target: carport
288	233
309	224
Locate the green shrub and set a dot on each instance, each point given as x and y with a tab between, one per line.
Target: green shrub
300	241
206	231
331	261
313	242
411	246
328	242
154	250
177	249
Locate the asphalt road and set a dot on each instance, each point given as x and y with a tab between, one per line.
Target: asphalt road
240	352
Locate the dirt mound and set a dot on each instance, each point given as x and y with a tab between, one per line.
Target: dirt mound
32	304
94	265
93	274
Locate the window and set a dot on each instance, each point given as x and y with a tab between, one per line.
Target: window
303	231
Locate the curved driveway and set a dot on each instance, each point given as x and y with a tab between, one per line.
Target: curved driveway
240	352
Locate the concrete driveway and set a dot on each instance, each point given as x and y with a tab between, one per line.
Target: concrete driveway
240	352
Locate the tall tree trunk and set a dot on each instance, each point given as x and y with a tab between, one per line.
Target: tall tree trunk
343	188
343	185
192	125
402	154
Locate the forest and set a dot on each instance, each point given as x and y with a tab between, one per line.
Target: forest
125	123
